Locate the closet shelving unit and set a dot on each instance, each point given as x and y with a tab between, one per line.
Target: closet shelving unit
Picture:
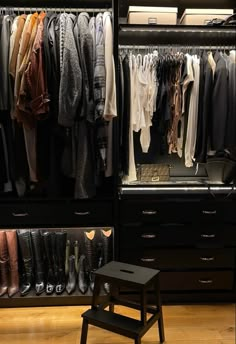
57	213
186	230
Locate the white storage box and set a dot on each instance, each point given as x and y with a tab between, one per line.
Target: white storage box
200	16
152	15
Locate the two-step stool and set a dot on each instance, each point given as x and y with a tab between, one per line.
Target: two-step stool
120	275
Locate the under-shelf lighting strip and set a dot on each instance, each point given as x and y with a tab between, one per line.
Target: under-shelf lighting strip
136	189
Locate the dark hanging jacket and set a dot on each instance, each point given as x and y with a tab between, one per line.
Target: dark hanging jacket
219	104
205	111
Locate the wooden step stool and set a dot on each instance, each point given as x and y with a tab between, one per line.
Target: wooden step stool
124	275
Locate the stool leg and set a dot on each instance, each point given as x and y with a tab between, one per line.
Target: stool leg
137	341
84	332
161	328
159	306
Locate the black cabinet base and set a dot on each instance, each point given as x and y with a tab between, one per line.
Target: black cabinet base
48	300
176	298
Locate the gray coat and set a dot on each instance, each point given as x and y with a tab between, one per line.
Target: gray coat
70	90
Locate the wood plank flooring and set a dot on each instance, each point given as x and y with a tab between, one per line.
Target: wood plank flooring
195	324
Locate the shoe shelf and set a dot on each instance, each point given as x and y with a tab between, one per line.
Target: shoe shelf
52	266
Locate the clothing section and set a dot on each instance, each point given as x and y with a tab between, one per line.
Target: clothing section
57	103
185	101
52	260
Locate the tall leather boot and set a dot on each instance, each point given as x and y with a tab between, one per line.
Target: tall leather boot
26	251
4	259
67	258
107	245
107	252
39	261
100	255
60	256
71	283
49	244
76	254
12	245
90	249
83	275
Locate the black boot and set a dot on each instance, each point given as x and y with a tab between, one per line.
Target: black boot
67	258
83	275
107	245
49	243
76	254
90	250
39	261
71	283
100	255
26	253
107	252
60	256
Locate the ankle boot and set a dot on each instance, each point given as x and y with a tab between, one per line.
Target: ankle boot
13	262
25	245
67	258
71	284
76	254
4	260
83	275
48	240
39	261
60	256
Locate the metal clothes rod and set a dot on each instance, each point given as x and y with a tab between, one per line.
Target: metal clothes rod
161	46
56	9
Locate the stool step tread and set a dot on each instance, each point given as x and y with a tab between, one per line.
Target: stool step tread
118	272
114	322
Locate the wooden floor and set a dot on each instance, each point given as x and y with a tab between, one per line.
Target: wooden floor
198	324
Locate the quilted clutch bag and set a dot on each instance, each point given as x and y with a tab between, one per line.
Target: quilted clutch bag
153	173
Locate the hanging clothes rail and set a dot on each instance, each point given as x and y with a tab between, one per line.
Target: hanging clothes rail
177	46
55	9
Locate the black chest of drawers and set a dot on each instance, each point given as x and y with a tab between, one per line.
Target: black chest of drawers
192	240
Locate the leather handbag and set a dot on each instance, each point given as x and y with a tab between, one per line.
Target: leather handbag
153	173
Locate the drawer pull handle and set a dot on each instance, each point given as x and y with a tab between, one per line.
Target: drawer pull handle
205	281
149	212
148	236
209	212
148	260
209	236
20	214
207	259
82	213
171	224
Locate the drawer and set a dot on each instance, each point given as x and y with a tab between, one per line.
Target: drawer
87	213
197	280
178	211
75	213
150	235
180	259
156	212
173	235
17	214
215	211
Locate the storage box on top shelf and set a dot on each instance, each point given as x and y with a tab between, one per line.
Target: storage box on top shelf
201	16
152	15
